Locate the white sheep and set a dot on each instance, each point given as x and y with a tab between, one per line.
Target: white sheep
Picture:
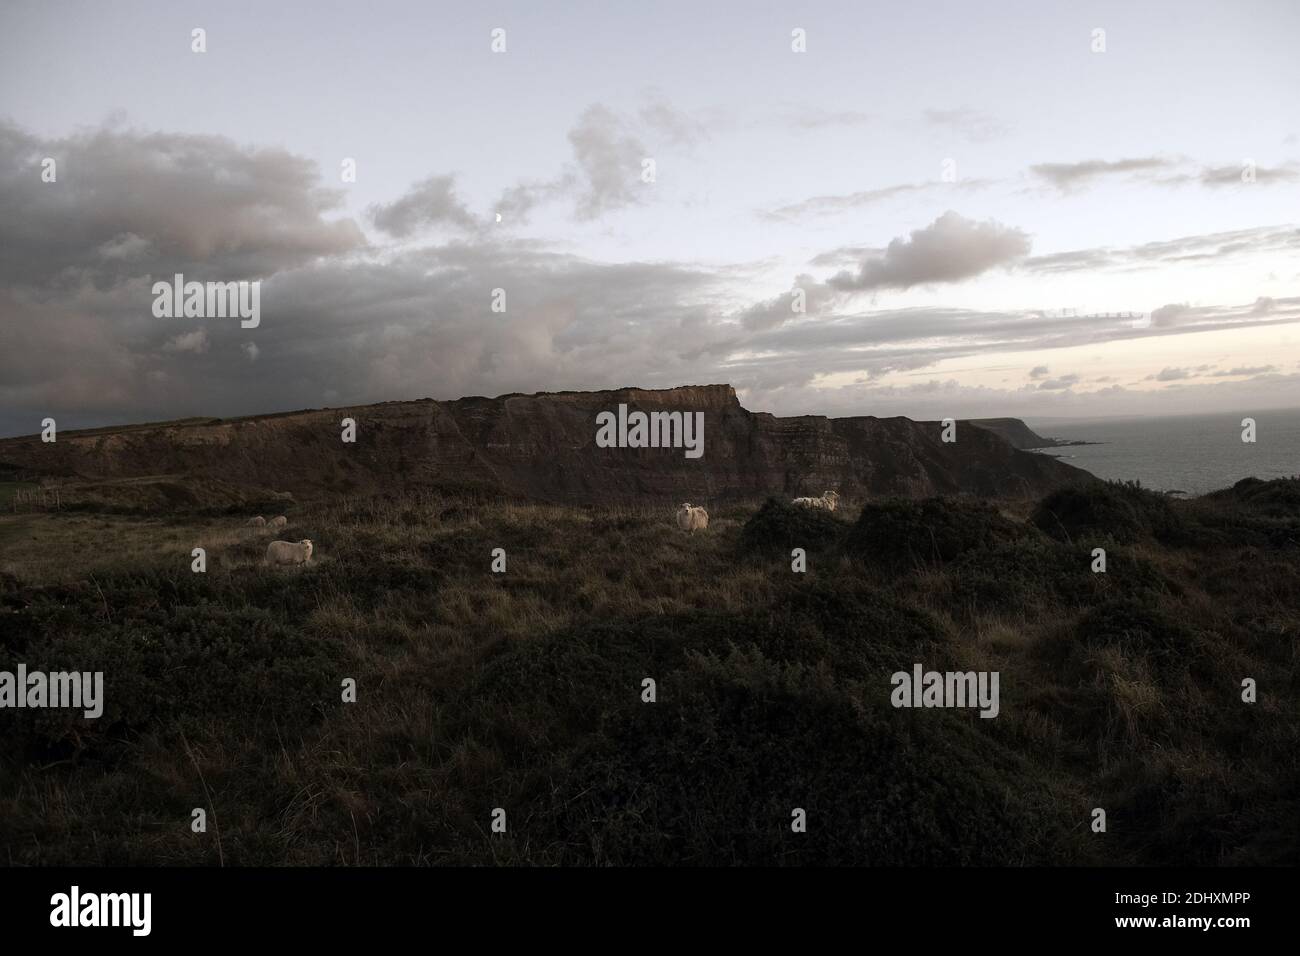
279	521
288	552
829	500
257	522
692	518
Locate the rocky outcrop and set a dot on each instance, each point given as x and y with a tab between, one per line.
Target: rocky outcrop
543	447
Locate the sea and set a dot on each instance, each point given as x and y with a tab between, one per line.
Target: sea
1189	454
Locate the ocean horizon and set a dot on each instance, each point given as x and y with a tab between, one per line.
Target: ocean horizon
1192	454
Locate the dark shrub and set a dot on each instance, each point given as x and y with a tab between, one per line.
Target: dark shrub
710	776
1040	572
173	659
1135	625
1186	818
852	630
1263	514
1279	497
779	526
1123	510
901	534
1137	628
531	697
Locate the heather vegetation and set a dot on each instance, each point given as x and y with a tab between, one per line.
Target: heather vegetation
524	690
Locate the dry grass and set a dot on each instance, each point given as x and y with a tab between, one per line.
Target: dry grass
523	689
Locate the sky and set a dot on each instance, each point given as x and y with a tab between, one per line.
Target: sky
927	209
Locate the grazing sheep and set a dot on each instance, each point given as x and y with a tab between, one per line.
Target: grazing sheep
692	518
279	521
288	552
258	522
829	500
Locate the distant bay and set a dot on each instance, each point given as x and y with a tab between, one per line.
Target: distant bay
1190	453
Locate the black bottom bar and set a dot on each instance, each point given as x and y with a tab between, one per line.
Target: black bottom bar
976	905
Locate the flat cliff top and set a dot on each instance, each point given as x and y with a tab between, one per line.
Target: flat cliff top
542	446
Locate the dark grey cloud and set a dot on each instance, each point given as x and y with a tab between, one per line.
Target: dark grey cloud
127	203
1171	374
950	249
807	296
432	202
342	322
360	329
372	328
1066	176
1039	371
899	339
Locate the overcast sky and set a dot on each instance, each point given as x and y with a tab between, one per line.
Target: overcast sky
980	211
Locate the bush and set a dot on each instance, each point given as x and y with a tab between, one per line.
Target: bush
532	698
711	774
1263	514
777	527
1135	629
176	667
1279	497
1041	572
171	659
855	632
1123	510
900	535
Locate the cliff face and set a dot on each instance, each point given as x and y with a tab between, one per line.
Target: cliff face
1015	432
543	446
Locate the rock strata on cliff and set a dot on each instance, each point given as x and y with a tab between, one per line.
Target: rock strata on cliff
543	447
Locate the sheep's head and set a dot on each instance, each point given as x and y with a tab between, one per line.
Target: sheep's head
831	495
685	506
306	545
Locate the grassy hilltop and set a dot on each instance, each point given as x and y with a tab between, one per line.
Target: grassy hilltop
522	690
